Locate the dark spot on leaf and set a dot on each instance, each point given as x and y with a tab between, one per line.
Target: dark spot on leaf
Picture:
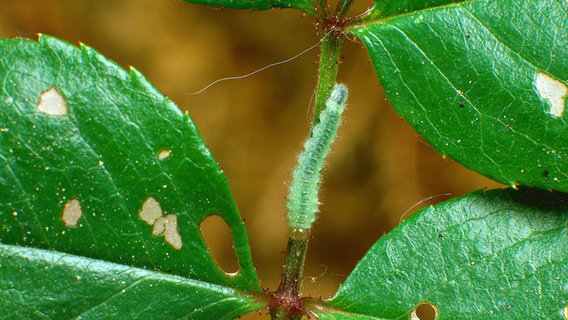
545	175
468	36
508	307
462	104
440	236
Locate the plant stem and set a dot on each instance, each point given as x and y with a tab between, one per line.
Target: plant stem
286	302
323	8
330	57
343	7
294	268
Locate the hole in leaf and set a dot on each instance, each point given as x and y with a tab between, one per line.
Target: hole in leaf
425	311
219	239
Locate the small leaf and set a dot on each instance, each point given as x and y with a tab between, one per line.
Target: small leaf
95	162
39	284
499	254
484	81
305	5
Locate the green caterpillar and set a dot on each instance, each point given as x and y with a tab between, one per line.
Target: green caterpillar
303	195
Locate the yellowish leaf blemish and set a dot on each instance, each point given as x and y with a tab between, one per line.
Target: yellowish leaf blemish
151	211
164	154
52	103
168	226
159	226
553	91
171	233
72	213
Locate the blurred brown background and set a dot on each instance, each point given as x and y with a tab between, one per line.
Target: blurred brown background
379	168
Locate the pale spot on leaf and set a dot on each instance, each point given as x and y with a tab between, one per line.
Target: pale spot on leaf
171	233
151	211
164	154
168	226
72	213
159	226
553	91
52	103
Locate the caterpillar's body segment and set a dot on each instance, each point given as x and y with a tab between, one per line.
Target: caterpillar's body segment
303	196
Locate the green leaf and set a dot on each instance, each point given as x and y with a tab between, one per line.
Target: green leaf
39	284
499	254
387	8
308	6
95	162
483	81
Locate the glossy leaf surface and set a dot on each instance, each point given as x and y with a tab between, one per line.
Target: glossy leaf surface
39	284
95	162
305	5
483	81
499	254
387	8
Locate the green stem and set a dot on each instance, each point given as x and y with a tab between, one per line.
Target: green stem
323	8
343	8
330	57
286	302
